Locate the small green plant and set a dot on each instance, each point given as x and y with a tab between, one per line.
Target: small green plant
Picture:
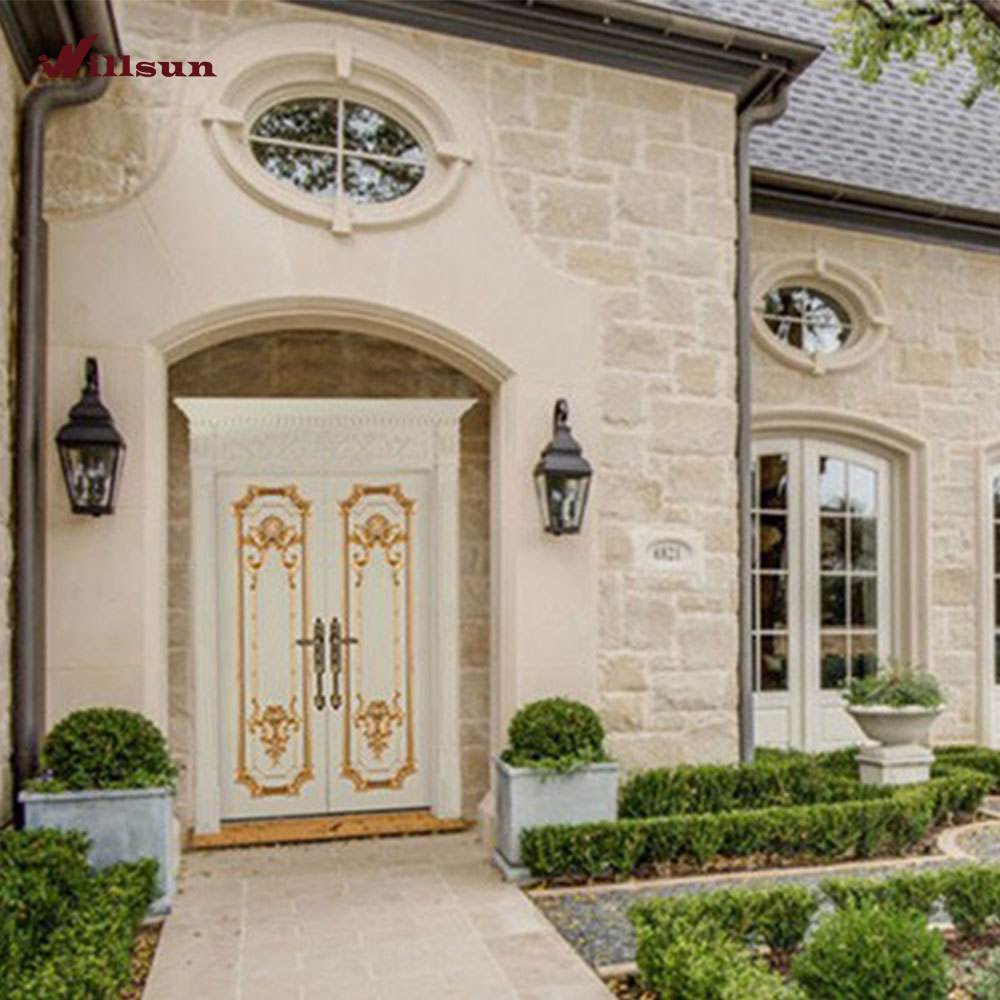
700	960
895	684
986	982
869	952
972	895
105	748
555	734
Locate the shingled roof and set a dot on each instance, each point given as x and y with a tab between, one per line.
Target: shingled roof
895	136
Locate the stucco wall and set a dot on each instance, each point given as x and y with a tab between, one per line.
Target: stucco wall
937	377
326	364
604	271
11	89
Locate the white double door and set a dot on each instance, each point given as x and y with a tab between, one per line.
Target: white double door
323	642
822	609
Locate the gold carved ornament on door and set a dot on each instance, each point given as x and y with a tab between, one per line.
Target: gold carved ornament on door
280	532
378	523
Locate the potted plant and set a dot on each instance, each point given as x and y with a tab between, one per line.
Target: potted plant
107	772
554	770
895	707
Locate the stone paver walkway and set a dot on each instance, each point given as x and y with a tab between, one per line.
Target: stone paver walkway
395	919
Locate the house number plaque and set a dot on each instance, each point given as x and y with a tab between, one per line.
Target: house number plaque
669	550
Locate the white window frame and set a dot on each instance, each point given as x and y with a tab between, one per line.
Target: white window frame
813	717
860	297
306	59
989	701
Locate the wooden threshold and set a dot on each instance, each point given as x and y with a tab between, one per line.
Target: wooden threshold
345	826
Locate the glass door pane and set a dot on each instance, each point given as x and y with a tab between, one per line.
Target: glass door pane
771	572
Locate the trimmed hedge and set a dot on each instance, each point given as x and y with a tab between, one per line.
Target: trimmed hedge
915	891
856	829
554	734
973	758
66	933
790	780
776	916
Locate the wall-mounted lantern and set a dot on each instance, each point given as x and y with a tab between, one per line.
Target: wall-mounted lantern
91	451
562	478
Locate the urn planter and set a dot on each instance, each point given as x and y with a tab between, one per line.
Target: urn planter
902	756
529	797
123	825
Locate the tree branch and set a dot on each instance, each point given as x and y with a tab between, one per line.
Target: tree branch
990	9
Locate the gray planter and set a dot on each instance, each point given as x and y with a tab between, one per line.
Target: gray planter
527	797
122	825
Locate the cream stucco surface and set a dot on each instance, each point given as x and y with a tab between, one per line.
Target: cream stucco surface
10	93
585	251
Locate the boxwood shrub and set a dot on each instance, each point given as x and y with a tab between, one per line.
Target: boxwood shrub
873	953
554	734
66	933
844	830
105	748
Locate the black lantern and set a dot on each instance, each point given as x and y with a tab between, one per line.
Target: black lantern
91	451
562	478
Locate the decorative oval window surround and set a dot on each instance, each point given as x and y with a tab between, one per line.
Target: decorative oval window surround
817	314
350	134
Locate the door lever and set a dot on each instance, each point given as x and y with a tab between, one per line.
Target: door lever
318	641
337	642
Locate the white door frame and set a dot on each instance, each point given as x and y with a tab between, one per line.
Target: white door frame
345	436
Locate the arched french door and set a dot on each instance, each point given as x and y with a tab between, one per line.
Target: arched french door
822	585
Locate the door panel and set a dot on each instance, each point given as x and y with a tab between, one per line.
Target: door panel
380	568
272	747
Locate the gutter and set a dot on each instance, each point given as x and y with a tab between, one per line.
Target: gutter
768	109
31	342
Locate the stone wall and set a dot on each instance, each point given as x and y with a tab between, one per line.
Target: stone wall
624	182
11	90
937	377
347	365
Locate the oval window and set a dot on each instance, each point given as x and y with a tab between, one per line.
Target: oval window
807	319
330	146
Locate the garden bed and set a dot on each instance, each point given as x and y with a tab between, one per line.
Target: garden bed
784	809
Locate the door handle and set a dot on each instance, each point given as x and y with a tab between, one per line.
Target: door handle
337	642
318	641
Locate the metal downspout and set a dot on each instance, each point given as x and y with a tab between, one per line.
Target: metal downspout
29	422
761	113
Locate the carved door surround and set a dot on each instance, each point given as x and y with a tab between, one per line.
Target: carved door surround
327	496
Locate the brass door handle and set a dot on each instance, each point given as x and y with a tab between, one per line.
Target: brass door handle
318	641
337	642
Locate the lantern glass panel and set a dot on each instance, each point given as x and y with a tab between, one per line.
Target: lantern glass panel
562	498
90	473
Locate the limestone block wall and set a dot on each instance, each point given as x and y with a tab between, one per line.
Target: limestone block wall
938	377
11	90
625	183
326	364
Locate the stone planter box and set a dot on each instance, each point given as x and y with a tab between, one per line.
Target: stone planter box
526	797
123	825
903	756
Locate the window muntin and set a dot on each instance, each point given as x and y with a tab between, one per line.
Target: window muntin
332	146
807	319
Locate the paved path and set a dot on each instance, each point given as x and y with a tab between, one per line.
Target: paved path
417	918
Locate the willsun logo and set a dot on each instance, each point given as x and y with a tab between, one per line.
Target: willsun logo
70	59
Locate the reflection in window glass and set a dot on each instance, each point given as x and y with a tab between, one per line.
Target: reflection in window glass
807	319
770	573
849	565
327	146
